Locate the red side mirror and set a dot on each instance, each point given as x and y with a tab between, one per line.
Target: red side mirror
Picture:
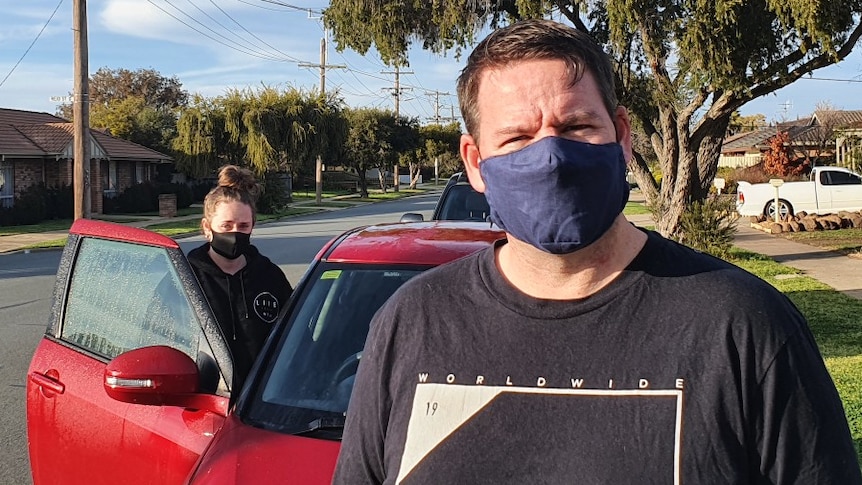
151	375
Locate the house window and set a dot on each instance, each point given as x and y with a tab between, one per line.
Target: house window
140	173
110	179
7	186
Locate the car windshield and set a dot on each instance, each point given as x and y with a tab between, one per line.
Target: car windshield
309	373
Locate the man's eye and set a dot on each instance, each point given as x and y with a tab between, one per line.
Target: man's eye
514	139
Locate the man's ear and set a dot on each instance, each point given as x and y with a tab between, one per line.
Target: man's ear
623	126
470	156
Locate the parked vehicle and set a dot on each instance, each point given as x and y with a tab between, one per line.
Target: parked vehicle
458	202
828	190
131	382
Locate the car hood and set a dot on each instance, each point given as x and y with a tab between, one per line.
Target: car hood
242	454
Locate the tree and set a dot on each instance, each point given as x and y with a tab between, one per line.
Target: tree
369	143
440	143
140	106
132	119
405	142
683	68
741	124
778	159
267	130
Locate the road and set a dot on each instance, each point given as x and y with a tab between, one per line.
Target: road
27	281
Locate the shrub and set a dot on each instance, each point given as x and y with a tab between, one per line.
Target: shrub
61	202
143	197
709	226
184	194
274	197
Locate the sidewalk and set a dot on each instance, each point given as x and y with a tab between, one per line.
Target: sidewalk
842	273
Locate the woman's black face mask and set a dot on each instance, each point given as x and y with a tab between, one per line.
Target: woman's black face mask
230	245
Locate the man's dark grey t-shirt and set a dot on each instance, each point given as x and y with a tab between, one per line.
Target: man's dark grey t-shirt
685	370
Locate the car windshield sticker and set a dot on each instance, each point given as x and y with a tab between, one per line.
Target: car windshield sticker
332	274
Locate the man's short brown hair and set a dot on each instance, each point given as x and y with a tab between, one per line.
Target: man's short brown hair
530	40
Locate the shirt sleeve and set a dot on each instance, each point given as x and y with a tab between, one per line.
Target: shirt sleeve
802	432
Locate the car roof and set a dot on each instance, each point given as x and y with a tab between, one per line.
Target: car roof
419	243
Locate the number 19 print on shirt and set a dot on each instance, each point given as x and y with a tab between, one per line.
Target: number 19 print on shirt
503	434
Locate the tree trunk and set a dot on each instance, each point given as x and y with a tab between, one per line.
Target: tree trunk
688	171
413	168
381	177
363	183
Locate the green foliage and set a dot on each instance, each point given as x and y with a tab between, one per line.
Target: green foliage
140	106
38	203
30	207
144	197
709	226
376	139
274	196
441	142
268	129
107	86
683	68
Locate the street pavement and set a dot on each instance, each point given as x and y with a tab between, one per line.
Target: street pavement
843	273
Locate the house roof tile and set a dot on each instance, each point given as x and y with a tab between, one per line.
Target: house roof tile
28	133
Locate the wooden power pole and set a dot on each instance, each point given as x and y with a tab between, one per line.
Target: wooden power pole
397	93
318	166
81	112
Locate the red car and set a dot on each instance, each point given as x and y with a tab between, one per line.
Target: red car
130	383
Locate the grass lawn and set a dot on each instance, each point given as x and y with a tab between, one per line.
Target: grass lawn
847	241
835	321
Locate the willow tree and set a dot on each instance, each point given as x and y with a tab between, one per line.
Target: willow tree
683	66
202	143
268	130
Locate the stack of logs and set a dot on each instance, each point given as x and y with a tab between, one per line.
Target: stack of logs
803	221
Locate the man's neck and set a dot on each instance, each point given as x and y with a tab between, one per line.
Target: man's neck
575	275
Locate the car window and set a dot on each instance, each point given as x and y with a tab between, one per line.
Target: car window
462	203
839	178
317	359
124	296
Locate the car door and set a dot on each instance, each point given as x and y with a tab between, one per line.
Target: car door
845	190
119	289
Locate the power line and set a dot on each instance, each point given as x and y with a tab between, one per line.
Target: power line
32	43
242	50
832	79
250	33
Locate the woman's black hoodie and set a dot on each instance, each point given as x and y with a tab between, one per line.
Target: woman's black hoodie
245	304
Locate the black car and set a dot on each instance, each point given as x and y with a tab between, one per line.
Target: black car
458	202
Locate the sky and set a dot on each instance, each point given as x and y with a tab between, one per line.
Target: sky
212	46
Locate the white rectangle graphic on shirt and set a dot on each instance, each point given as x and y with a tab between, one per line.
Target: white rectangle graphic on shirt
439	409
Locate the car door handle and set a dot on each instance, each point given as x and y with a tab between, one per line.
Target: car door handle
49	382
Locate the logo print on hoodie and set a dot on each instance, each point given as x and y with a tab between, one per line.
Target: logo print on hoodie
266	306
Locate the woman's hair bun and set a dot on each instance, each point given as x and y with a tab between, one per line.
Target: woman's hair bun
238	178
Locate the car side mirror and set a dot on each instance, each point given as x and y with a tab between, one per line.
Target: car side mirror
159	376
412	217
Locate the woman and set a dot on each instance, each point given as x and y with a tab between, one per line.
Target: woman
244	288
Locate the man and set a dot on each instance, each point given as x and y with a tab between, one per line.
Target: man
582	349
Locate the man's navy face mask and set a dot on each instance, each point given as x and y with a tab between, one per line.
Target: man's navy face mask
556	194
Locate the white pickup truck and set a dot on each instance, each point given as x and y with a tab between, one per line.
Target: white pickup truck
827	190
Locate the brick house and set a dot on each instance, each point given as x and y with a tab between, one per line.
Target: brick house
39	148
811	138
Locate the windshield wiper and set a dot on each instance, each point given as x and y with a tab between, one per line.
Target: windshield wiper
325	423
